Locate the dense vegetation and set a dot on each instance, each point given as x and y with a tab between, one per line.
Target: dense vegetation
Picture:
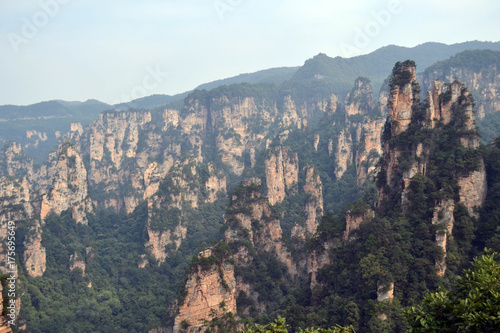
474	60
113	294
470	306
396	249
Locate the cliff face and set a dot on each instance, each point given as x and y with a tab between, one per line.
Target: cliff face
313	206
111	145
344	153
403	98
250	217
447	119
282	174
254	233
403	102
35	256
208	287
68	188
354	219
483	82
369	149
443	216
360	99
443	102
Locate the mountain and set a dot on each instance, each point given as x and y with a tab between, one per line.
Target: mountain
360	267
250	201
272	75
38	126
150	102
478	69
338	73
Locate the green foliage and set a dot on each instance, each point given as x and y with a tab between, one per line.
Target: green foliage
122	298
489	127
221	321
488	230
220	253
401	77
474	60
471	305
280	326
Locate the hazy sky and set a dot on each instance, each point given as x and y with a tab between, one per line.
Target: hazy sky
114	51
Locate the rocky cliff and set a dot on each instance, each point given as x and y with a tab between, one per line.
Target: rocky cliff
360	99
344	154
250	217
282	174
478	70
313	208
369	149
210	291
447	120
68	188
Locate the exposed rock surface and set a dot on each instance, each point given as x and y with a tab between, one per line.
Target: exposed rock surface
403	98
369	149
216	183
360	99
313	206
483	82
473	189
68	186
449	107
443	216
76	261
344	154
206	290
385	292
316	260
35	256
249	211
282	174
160	239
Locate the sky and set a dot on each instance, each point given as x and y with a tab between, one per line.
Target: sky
116	51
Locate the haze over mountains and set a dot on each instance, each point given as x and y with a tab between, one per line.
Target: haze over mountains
37	126
331	193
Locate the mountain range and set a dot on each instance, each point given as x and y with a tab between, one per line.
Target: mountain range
339	192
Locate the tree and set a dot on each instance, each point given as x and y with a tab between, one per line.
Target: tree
279	326
473	304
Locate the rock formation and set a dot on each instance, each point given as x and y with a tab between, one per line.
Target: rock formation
68	188
403	98
369	149
343	155
443	216
35	256
313	206
282	174
209	288
449	109
360	99
483	79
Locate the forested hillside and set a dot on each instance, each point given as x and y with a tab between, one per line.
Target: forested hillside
251	201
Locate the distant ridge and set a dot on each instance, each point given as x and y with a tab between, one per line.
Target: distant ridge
339	73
